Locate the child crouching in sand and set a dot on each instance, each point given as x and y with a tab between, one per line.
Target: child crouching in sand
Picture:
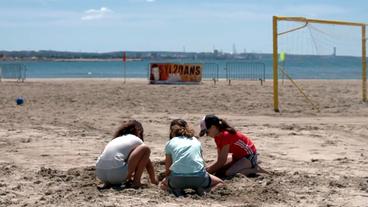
236	153
184	165
125	157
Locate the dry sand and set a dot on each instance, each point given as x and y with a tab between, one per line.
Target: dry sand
49	145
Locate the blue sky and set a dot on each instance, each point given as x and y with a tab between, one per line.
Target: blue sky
160	25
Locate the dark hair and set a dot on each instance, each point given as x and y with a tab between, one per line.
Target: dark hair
221	124
180	127
130	127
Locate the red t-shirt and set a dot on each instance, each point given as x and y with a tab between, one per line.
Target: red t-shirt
240	145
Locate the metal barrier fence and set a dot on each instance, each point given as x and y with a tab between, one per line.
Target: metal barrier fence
13	71
245	71
210	71
232	70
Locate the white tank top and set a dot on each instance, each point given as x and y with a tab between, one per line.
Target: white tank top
116	152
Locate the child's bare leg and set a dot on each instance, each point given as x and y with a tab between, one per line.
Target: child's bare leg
216	182
248	171
256	169
238	166
141	166
137	162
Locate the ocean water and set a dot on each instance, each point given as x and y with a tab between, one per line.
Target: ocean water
298	67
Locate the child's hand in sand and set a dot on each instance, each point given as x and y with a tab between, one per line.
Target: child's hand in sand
164	184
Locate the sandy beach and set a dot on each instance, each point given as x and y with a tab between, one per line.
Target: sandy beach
49	145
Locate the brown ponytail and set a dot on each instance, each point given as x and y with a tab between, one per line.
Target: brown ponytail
224	126
133	127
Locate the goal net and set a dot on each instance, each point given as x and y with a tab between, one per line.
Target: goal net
308	49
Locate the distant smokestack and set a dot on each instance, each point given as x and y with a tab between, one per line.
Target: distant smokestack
234	49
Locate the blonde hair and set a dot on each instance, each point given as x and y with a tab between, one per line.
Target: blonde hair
180	127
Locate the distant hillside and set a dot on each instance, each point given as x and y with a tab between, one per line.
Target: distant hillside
149	55
50	54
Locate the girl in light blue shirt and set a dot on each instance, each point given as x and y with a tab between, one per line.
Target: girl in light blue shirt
184	164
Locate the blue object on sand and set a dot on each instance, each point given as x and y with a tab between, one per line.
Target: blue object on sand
20	100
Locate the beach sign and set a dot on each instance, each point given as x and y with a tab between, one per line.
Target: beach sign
173	73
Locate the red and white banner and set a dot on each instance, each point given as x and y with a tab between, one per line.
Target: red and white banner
171	73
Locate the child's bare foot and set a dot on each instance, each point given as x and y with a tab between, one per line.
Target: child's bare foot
136	185
133	184
261	170
104	186
154	180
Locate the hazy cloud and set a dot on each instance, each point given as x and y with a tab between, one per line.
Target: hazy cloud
93	14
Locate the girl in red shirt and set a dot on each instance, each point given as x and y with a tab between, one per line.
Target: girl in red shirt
236	153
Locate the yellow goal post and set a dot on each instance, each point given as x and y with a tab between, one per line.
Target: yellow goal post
275	21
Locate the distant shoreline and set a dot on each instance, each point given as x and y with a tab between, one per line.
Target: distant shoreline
94	60
75	60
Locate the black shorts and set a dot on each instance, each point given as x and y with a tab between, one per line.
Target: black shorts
194	182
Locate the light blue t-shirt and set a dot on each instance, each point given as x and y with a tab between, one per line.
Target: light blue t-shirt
186	155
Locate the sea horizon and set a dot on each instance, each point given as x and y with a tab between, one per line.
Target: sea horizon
298	67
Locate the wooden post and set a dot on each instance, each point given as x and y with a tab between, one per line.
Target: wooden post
275	67
364	64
